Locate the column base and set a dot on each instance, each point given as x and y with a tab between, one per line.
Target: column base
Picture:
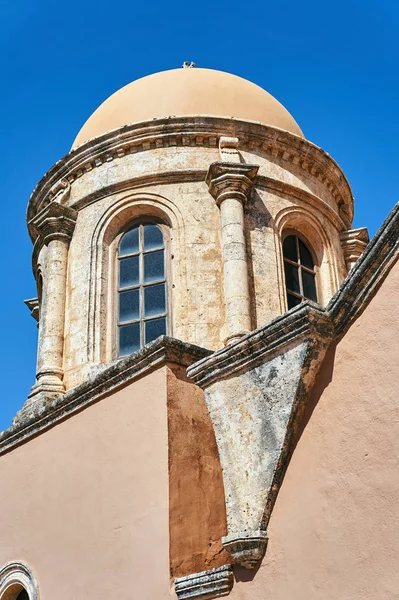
234	337
247	548
44	391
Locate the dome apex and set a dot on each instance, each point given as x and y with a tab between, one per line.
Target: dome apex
187	92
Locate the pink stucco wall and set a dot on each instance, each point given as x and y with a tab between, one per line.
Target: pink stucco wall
334	532
85	504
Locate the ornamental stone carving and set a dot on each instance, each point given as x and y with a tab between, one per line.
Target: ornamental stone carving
353	242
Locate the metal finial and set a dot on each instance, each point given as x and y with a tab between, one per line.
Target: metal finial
188	65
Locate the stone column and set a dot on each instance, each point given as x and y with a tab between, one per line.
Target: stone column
55	224
230	184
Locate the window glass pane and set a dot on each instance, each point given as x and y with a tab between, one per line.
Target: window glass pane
154	329
129	339
306	257
154	267
129	272
129	306
154	300
292	301
291	278
130	242
153	237
289	248
309	285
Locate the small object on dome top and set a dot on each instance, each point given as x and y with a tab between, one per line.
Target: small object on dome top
188	65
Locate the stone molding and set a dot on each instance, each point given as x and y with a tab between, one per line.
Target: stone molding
16	574
193	131
367	274
206	584
247	547
307	319
353	243
55	221
230	180
33	305
257	387
103	380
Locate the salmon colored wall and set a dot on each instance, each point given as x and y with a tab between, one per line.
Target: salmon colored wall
85	504
197	508
334	532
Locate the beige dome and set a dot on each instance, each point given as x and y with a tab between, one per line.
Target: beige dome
187	92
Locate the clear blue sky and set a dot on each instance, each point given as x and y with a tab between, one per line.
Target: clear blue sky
334	65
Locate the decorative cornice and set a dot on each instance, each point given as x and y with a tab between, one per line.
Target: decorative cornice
55	221
353	243
105	380
33	305
194	131
230	180
207	584
247	547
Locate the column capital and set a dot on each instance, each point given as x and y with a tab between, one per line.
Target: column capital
55	221
230	180
353	243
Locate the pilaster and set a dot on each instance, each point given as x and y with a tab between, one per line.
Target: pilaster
55	224
230	185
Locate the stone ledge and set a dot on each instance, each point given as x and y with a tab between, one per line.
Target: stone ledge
33	418
207	584
306	320
367	275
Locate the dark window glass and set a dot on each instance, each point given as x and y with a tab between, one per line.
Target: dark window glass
154	329
23	595
130	242
129	339
292	277
300	277
154	267
306	257
129	306
142	310
293	300
289	248
153	237
154	300
129	275
309	285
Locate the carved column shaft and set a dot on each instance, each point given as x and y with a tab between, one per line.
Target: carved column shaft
55	224
230	185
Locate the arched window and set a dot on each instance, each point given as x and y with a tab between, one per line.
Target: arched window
299	269
142	298
17	583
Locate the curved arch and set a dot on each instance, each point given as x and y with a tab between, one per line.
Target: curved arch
116	219
14	578
301	221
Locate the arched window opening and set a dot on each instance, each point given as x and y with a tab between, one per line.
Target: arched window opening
299	269
142	306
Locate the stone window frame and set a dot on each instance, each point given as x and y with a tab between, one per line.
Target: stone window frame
15	577
287	232
113	279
